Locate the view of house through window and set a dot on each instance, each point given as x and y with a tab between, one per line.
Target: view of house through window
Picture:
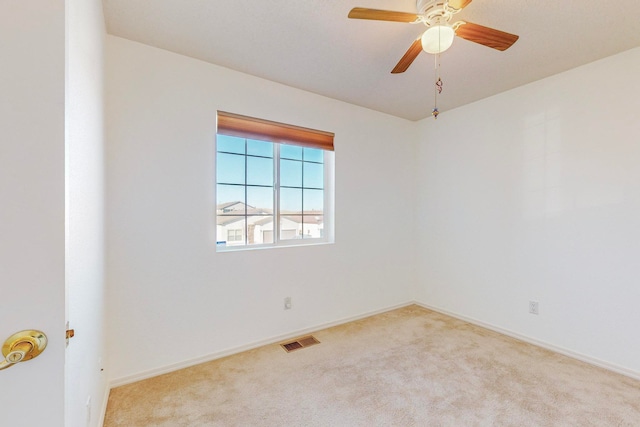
268	193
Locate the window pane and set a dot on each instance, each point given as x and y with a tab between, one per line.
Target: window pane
230	230
313	155
290	173
230	168
313	225
313	200
259	171
259	148
260	199
230	144
313	175
290	227
290	152
230	198
260	229
290	200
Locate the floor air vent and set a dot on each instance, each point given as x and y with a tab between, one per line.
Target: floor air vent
299	343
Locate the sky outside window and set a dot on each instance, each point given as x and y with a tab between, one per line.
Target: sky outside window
243	162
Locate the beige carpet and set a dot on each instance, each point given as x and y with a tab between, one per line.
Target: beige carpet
407	367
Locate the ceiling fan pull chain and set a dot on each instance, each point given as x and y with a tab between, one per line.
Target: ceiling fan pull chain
438	88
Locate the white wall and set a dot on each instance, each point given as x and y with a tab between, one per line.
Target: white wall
534	194
85	213
171	297
32	283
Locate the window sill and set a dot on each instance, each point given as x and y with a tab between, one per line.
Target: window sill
221	249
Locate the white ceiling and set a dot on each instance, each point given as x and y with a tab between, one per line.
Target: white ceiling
312	45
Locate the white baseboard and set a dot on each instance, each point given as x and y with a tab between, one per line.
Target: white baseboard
117	382
561	350
103	409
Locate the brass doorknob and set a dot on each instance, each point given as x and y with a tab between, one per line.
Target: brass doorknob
22	346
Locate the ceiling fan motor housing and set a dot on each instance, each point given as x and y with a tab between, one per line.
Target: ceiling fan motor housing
434	12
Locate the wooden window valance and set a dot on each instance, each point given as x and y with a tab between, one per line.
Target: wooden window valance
250	127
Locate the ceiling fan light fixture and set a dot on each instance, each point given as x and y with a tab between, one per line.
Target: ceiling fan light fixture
437	39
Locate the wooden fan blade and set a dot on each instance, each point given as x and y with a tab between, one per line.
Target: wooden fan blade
458	4
381	15
486	36
408	57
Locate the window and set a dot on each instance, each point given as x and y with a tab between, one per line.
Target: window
234	235
273	183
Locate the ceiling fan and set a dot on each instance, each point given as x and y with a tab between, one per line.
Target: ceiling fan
436	14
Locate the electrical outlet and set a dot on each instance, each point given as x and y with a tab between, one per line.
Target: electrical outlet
533	307
287	303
